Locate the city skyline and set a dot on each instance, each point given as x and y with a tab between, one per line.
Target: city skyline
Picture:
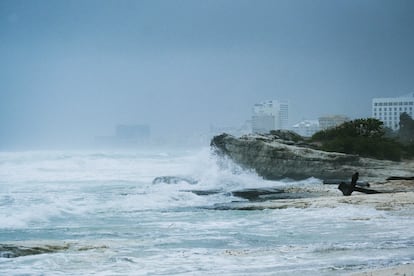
74	69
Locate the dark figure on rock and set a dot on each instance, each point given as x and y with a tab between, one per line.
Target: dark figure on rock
347	189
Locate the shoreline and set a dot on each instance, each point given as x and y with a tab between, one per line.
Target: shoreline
395	195
404	269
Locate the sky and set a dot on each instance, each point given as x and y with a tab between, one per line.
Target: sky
73	69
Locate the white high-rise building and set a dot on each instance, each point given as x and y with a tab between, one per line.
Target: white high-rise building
270	115
388	110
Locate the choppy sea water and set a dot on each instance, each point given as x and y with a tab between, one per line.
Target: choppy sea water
99	213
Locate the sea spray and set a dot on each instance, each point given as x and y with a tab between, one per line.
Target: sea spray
106	203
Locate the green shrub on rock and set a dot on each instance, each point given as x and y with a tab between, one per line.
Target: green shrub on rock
364	137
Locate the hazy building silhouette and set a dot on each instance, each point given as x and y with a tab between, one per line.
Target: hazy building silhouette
326	122
306	128
270	115
132	134
126	136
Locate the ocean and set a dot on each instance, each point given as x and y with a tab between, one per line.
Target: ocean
99	213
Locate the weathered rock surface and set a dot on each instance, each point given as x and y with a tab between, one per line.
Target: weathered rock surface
26	249
14	251
384	201
275	157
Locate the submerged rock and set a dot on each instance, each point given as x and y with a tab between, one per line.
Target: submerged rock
14	251
20	250
263	194
204	192
173	180
274	158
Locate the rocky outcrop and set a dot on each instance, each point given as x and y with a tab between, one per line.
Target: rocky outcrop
275	156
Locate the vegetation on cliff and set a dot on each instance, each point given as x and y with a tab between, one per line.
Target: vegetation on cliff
369	138
406	131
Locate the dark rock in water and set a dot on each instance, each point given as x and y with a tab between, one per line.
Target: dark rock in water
240	206
400	178
274	158
263	194
257	194
204	192
14	251
173	180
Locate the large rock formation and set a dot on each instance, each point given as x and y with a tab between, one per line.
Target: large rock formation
279	155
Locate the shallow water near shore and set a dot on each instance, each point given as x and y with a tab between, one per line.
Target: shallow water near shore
80	213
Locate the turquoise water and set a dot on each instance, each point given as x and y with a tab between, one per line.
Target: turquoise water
102	215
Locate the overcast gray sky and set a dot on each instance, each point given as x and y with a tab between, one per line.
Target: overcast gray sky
74	69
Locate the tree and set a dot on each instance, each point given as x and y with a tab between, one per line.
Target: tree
370	128
406	132
364	137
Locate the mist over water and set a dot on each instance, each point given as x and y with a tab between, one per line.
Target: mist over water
74	71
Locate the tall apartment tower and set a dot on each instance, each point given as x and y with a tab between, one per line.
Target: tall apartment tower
270	115
388	110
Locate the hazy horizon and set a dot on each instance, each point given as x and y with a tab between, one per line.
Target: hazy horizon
73	70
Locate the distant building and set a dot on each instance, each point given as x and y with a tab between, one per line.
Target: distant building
326	122
306	128
132	134
388	110
126	136
270	115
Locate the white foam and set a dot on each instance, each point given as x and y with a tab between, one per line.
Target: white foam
46	184
109	198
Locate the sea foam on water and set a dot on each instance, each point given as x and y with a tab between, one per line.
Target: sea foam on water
101	213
